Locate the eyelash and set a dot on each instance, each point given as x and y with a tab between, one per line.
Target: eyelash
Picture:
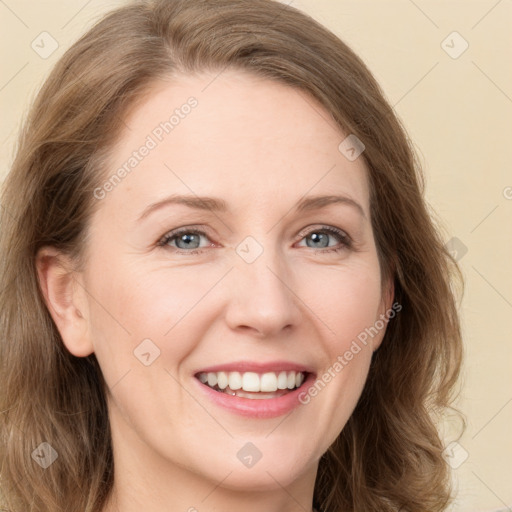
346	242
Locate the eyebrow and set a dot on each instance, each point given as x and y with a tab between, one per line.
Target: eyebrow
216	204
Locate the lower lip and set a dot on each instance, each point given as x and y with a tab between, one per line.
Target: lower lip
257	408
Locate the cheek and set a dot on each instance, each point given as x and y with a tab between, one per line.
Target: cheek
346	298
348	308
133	302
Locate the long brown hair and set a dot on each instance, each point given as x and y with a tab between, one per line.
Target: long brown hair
389	455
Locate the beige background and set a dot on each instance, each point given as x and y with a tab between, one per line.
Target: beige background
458	111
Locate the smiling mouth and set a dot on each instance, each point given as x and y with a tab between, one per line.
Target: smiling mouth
253	385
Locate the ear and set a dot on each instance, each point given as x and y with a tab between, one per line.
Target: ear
388	295
65	298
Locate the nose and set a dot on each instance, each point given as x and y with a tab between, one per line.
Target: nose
262	300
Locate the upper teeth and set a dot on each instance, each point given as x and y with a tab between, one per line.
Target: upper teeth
251	381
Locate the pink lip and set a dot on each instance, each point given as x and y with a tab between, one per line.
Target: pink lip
251	366
260	409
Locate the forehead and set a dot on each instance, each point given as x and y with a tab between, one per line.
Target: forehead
232	135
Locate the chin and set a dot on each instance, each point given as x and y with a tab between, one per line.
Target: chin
270	472
257	479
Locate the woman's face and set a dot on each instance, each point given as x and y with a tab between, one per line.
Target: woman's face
257	281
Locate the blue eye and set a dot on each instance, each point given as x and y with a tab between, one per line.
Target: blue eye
321	237
187	240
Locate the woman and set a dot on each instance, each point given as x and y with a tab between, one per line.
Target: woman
221	287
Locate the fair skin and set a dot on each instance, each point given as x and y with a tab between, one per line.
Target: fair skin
260	146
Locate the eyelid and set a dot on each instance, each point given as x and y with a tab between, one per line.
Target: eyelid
174	233
344	238
345	241
323	227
